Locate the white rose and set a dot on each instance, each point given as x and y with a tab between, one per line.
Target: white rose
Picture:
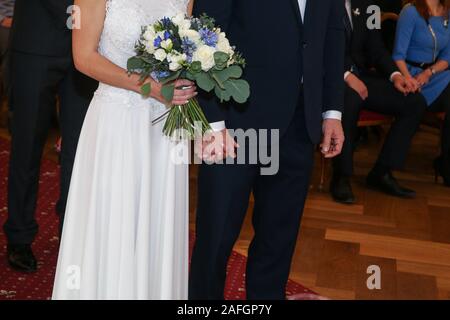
181	21
167	44
192	35
174	66
149	33
223	44
160	54
176	60
205	55
149	47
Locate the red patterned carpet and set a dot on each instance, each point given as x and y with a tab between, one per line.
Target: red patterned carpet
38	286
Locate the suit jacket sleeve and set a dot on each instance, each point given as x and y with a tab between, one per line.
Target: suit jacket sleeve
348	62
334	58
221	11
57	10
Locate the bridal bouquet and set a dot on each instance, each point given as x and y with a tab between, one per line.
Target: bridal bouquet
193	49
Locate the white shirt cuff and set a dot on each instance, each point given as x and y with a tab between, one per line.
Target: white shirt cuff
391	78
346	75
332	114
217	126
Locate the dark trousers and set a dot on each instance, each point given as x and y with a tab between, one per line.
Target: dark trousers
36	80
224	192
442	104
383	98
4	58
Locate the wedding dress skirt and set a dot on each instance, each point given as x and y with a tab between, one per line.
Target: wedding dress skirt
125	233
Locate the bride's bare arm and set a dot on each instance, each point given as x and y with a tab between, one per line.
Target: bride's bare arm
89	61
190	7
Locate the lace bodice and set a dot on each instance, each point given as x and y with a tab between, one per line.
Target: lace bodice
122	28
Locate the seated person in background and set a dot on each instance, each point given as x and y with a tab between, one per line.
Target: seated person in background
394	6
365	89
422	53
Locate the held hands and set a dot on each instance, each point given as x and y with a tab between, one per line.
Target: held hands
184	91
412	84
356	84
333	138
423	78
400	84
215	146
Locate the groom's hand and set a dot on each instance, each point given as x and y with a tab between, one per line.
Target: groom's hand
216	146
333	138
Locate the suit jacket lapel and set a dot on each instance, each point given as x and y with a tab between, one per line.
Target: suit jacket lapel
297	10
308	8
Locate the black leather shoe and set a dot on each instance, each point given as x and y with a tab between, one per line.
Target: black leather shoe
341	190
21	258
389	185
442	168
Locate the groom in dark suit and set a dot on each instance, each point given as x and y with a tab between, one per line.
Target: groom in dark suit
41	69
295	52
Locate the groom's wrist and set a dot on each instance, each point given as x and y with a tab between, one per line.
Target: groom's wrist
217	126
332	114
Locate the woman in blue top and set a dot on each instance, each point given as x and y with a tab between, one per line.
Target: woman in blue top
422	53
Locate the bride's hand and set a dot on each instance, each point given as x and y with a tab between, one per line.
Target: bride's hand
184	91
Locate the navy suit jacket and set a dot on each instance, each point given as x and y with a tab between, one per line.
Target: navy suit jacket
280	50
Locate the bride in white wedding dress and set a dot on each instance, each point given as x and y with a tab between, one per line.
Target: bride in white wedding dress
125	234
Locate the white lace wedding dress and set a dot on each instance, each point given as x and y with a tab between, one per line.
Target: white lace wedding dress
126	227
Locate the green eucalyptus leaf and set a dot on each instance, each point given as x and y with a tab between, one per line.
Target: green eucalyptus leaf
239	89
135	63
204	81
195	67
221	58
234	72
168	91
146	89
223	95
190	76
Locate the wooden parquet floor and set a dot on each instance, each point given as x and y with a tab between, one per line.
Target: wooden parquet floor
408	239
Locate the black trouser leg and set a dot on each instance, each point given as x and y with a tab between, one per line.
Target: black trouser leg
279	203
343	164
383	98
224	192
408	112
33	92
75	93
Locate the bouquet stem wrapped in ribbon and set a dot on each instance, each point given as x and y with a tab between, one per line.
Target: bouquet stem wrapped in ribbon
196	50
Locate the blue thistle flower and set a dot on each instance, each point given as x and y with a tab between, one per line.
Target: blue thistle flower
210	38
166	22
157	42
158	75
188	46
